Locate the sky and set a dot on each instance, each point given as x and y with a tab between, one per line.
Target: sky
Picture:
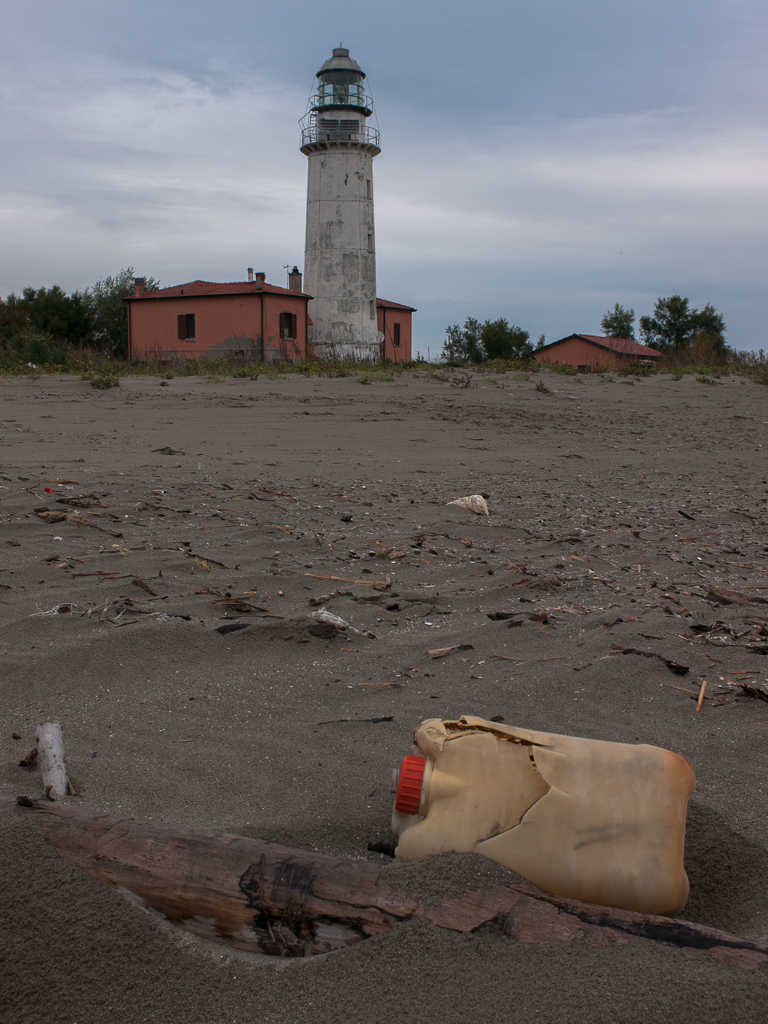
540	162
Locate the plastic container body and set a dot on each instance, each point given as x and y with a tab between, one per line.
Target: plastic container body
585	819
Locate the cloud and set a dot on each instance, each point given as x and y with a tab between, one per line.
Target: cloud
539	163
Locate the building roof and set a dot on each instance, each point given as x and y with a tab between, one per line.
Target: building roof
341	61
622	346
200	288
386	304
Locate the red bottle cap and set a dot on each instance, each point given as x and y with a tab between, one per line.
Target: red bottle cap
409	787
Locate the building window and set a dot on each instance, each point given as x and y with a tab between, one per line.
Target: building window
396	334
369	190
186	326
287	326
372	310
370	242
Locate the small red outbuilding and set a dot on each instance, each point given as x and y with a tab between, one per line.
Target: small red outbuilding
240	319
590	351
395	324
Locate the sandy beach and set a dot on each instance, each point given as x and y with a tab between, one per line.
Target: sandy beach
617	506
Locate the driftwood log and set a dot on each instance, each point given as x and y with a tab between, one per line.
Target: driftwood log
273	899
50	748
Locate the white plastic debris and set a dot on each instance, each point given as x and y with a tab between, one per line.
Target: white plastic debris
335	620
474	503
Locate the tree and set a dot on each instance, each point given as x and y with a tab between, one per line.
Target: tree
709	328
464	345
493	339
500	341
110	313
66	318
620	323
674	326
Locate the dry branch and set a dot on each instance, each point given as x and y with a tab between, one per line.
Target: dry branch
272	899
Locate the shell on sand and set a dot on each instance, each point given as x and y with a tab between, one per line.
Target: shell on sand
473	502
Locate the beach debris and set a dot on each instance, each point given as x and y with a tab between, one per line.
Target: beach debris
346	519
541	617
50	748
29	760
376	584
232	627
754	691
167	451
323	615
443	652
323	629
724	596
50	515
700	701
374	721
137	582
502	616
244	892
473	782
474	503
673	666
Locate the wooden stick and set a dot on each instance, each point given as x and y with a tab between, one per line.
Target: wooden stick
376	584
700	701
272	899
50	748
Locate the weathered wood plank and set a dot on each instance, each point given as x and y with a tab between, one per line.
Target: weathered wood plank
274	899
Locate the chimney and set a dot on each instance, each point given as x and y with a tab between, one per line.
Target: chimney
294	280
261	280
139	284
250	273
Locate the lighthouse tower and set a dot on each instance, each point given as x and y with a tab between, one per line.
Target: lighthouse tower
340	251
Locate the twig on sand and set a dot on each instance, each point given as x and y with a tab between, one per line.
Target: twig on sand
700	701
376	584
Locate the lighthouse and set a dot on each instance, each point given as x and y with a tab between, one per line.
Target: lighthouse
340	249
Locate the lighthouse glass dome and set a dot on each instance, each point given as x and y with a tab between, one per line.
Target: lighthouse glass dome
341	89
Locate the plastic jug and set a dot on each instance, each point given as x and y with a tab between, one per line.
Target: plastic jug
585	819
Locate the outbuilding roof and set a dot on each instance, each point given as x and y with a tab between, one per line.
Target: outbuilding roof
622	346
386	304
198	288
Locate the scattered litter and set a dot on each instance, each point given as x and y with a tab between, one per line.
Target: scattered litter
700	701
144	586
673	666
30	759
324	630
450	790
474	503
443	652
376	584
750	690
322	615
167	451
50	515
335	721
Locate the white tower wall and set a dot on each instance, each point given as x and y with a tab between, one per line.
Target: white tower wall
340	255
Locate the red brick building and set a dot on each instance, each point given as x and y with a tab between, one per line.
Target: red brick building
590	351
395	324
241	319
249	320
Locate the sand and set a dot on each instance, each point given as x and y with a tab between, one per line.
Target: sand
113	632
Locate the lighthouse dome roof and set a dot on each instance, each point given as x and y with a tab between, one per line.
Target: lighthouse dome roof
341	61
